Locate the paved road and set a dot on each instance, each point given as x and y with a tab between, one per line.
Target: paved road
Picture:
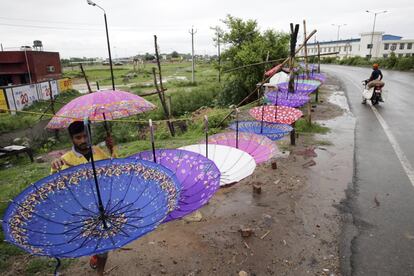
382	202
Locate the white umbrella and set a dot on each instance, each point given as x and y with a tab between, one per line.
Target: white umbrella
234	164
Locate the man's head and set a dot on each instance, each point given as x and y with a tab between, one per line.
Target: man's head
78	135
375	66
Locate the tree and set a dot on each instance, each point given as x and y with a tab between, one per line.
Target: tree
148	57
247	45
175	54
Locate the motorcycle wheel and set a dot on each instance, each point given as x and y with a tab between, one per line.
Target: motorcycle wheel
375	99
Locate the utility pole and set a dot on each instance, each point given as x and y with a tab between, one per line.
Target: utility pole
337	34
192	32
373	30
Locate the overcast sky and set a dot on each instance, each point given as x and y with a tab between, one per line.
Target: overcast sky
76	29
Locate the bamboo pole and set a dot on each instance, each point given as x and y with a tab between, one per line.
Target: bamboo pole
86	78
163	104
161	89
159	67
293	39
309	116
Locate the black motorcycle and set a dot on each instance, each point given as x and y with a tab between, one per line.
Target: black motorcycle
376	94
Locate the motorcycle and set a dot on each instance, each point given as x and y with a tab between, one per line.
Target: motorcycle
374	94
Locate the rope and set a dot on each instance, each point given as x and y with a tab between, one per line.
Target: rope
188	118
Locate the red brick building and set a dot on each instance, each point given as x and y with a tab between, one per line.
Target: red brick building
23	67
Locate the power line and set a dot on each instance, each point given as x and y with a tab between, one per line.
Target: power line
122	28
47	27
47	21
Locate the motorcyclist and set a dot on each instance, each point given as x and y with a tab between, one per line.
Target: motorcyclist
375	79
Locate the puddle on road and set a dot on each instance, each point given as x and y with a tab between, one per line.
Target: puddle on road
333	171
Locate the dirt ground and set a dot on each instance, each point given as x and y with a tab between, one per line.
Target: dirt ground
294	224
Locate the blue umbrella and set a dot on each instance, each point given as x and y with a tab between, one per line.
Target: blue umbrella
67	215
271	130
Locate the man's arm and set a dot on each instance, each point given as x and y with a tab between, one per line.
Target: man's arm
380	73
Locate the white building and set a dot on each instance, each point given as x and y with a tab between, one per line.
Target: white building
382	46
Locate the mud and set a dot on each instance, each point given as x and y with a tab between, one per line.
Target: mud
294	222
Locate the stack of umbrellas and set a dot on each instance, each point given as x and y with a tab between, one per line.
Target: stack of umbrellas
100	206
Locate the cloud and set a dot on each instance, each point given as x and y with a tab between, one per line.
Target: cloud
74	28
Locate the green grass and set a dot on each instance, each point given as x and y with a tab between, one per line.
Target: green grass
302	126
144	78
45	265
12	181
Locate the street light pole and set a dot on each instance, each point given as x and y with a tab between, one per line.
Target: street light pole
107	40
337	34
373	30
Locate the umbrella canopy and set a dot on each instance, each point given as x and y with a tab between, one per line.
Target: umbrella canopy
100	106
298	87
311	67
198	175
287	98
58	216
258	146
276	114
270	130
314	76
234	164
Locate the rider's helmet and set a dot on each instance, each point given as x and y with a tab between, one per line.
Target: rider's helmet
375	66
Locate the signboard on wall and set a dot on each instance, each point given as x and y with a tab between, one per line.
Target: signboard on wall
44	90
19	97
3	101
64	85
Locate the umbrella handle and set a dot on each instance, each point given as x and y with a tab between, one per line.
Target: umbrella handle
152	141
206	130
108	135
98	192
237	128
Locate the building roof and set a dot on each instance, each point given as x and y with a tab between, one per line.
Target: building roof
336	41
391	37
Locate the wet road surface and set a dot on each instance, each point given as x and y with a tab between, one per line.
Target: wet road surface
379	238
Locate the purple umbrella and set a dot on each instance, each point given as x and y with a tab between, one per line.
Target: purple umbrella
287	98
298	87
313	76
198	175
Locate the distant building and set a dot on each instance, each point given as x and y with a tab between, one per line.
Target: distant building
25	66
382	46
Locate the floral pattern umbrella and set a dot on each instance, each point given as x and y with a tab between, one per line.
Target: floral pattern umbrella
287	99
270	130
258	146
314	76
298	87
276	114
100	106
198	176
66	216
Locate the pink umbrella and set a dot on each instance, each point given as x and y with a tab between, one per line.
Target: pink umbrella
100	106
276	114
258	146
